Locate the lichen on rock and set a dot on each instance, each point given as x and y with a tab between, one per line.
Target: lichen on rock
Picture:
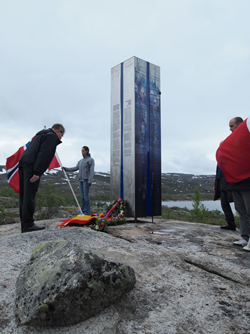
64	283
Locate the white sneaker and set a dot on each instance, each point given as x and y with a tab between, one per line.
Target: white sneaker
241	242
247	247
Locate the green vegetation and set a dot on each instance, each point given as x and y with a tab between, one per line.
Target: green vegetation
2	213
199	213
51	198
8	192
48	202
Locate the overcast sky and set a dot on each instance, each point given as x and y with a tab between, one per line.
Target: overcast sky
55	67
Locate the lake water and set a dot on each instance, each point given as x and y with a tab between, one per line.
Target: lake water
210	205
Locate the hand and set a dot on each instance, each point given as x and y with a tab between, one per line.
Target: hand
34	178
88	184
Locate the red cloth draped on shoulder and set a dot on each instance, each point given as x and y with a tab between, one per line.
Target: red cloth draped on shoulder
233	154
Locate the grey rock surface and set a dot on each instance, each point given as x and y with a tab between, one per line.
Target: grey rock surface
64	283
190	278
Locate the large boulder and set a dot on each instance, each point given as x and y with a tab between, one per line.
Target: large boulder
64	283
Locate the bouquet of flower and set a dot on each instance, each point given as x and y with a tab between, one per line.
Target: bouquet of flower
100	225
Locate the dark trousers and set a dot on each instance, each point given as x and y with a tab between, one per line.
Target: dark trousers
227	208
27	195
242	206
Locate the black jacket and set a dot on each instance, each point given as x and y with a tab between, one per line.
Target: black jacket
241	185
40	151
220	184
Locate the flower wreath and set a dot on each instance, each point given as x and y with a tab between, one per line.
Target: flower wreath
120	207
115	207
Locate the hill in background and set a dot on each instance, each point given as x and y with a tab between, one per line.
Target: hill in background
175	186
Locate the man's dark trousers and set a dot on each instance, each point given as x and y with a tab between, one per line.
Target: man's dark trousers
227	209
27	195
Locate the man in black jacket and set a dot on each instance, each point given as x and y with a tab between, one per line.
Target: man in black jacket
32	164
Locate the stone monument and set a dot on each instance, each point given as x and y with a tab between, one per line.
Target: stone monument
135	173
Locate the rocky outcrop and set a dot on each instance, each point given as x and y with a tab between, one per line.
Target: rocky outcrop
190	278
65	283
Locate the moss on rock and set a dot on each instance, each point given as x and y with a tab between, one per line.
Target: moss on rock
65	283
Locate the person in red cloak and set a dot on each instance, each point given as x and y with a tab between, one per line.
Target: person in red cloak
221	187
233	157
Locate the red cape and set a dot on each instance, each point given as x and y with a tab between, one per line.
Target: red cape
233	154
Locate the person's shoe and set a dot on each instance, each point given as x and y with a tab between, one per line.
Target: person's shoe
33	228
228	227
246	248
241	242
